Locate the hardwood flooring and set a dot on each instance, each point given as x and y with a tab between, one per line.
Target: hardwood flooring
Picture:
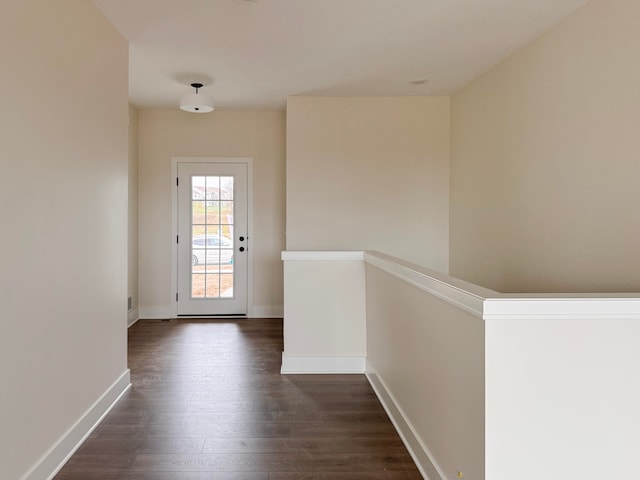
208	402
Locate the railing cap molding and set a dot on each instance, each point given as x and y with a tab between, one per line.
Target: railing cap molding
485	303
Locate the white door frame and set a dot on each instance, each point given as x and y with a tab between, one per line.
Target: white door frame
174	224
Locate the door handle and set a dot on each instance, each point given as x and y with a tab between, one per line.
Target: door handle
241	249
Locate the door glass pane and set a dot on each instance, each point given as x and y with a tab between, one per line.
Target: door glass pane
198	188
226	213
226	285
213	213
198	210
227	232
213	286
226	188
212	272
197	285
213	188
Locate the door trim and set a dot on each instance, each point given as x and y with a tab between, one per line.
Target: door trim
174	225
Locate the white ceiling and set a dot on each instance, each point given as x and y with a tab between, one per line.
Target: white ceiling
253	54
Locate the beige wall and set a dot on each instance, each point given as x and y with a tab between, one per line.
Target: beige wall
369	174
324	313
63	205
429	354
167	133
132	268
545	166
562	392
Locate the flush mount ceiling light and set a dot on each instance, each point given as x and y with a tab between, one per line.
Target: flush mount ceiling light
197	102
419	81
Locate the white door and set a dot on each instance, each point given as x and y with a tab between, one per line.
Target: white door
212	239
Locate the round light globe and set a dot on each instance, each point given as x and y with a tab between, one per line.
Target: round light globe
197	103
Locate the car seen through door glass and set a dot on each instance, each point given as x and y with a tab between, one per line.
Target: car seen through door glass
211	249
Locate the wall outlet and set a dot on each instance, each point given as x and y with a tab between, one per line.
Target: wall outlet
129	304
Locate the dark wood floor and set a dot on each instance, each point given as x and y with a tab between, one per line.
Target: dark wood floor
208	402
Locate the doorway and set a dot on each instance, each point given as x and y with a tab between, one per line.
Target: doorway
212	237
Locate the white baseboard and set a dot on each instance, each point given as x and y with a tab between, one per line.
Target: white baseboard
312	365
132	317
268	311
53	460
163	313
417	449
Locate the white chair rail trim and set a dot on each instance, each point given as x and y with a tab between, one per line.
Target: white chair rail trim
534	307
489	304
463	295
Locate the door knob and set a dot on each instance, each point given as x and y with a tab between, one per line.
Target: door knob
241	239
241	249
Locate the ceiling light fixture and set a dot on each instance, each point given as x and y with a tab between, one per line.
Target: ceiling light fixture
197	102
